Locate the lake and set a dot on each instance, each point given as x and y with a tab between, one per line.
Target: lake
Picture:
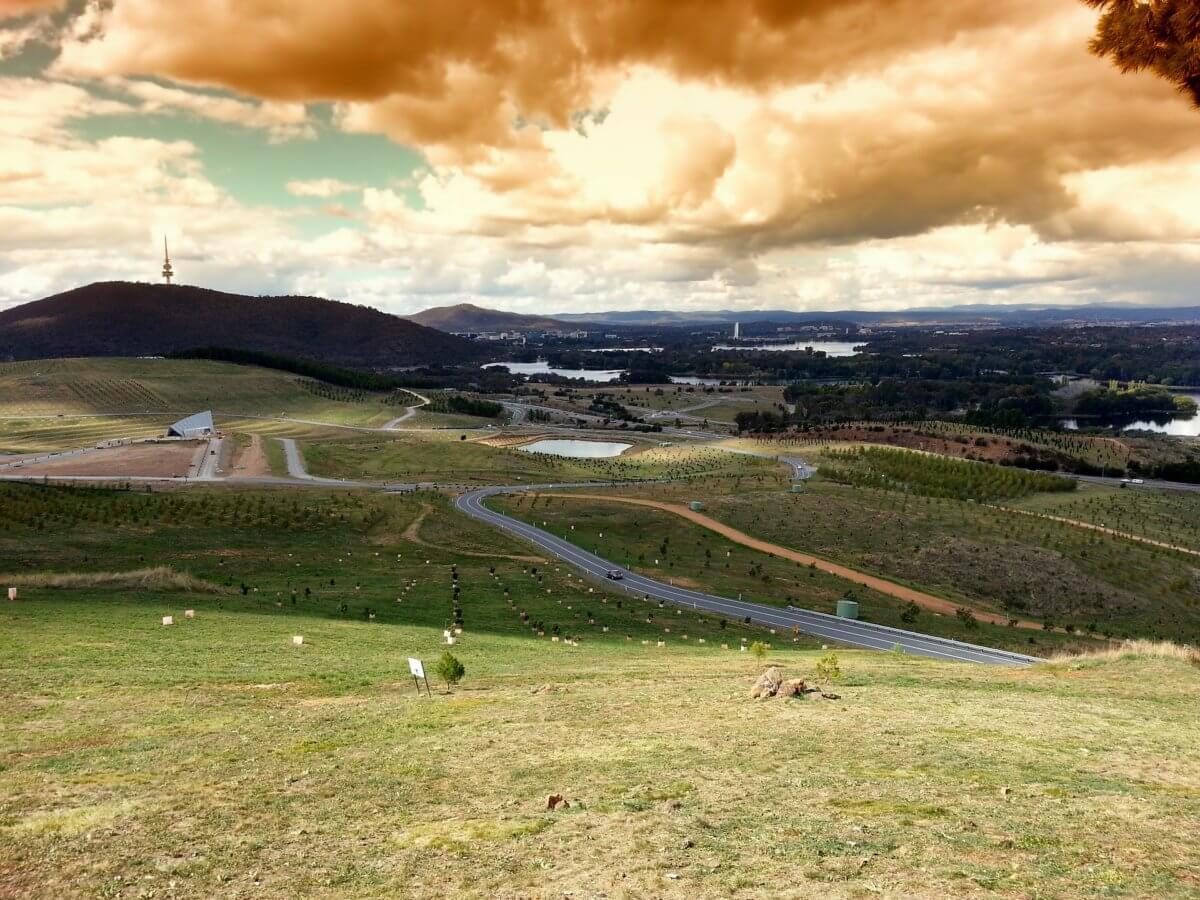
577	449
541	367
829	348
706	382
1178	426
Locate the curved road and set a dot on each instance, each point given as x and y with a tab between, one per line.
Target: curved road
846	631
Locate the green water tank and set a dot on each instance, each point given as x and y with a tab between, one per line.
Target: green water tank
695	506
847	609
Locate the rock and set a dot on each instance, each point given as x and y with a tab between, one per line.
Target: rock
831	696
768	684
793	688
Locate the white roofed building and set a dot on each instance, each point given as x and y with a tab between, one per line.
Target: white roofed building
194	426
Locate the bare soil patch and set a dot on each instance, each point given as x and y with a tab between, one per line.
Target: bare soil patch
159	460
250	461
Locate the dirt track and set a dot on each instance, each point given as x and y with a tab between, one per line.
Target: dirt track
413	533
1088	526
250	461
890	588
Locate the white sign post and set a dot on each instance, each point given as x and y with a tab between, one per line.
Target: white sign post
417	668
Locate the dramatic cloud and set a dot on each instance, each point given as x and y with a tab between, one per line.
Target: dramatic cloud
321	187
817	153
282	120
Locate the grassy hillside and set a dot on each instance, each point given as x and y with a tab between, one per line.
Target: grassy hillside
89	386
213	757
979	555
448	458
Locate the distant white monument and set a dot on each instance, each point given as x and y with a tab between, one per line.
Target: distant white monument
168	272
737	330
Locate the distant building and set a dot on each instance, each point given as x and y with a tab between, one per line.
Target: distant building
737	330
198	425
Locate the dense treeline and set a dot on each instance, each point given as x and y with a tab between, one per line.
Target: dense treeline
330	374
1134	401
467	406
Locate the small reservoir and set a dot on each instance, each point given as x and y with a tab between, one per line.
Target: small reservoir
577	449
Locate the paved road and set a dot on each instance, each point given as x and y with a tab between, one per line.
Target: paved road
846	631
207	470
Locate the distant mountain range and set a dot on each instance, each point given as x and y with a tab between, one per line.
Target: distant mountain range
118	318
959	315
466	317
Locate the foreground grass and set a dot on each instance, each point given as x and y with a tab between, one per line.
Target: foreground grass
214	758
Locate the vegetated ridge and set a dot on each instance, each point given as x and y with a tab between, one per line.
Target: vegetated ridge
468	317
119	318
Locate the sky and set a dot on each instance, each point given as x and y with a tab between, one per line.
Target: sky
582	155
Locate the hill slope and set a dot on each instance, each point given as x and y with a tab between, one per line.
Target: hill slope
468	317
124	319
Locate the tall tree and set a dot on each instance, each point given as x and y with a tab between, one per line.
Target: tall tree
1160	35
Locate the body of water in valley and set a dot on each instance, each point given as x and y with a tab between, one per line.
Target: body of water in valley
541	367
829	348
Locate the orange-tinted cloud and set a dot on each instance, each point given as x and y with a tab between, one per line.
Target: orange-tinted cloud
746	123
13	8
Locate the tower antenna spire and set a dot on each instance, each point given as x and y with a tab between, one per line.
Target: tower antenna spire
167	272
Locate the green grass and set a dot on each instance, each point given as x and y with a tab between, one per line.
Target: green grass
937	476
447	457
983	555
665	546
1169	516
171	387
214	758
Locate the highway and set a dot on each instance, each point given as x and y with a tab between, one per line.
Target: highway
845	631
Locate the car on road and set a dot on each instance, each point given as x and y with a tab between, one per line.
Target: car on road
615	574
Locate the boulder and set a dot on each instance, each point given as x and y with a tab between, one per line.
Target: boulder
793	688
768	684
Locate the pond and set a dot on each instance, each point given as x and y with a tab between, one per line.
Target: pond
1176	426
577	449
541	367
829	348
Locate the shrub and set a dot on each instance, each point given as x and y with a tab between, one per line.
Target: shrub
759	649
449	669
828	668
966	617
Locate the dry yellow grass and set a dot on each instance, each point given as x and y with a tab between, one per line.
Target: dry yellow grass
159	578
1135	649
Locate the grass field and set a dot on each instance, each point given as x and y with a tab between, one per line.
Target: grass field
662	545
1169	516
213	757
971	553
447	457
171	386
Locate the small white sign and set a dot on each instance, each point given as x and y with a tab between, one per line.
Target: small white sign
298	639
12	593
415	666
189	614
168	620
